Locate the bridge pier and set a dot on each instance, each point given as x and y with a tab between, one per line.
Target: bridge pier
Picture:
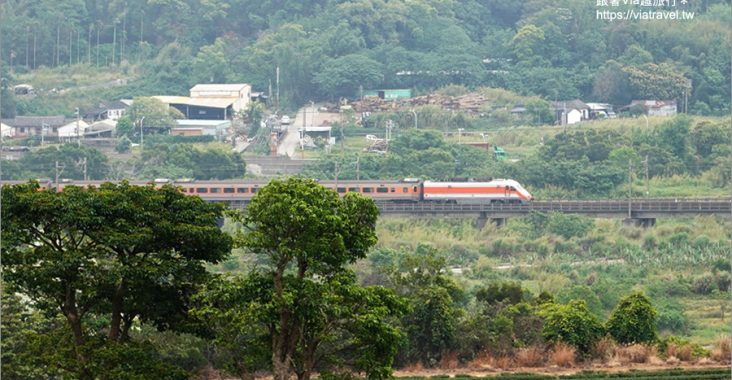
640	222
483	220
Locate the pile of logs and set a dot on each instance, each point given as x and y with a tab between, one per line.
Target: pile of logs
470	103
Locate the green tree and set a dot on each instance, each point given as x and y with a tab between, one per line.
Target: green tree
158	117
211	64
572	323
651	81
124	252
431	325
527	42
73	161
633	320
306	235
343	76
124	126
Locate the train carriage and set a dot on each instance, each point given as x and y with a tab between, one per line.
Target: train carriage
494	191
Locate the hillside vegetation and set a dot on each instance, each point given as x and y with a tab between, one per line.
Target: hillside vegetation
326	49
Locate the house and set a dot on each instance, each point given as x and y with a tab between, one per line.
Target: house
102	128
239	93
107	111
571	111
72	130
601	110
655	107
6	131
27	126
217	128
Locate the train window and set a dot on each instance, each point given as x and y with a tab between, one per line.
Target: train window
201	190
354	190
405	189
215	190
382	190
228	190
415	189
255	189
341	189
393	190
368	189
241	190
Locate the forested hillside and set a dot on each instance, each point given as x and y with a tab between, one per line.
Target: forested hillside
326	49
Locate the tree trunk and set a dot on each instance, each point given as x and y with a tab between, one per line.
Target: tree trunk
74	318
281	336
117	303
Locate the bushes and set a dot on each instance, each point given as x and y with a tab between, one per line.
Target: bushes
572	324
633	320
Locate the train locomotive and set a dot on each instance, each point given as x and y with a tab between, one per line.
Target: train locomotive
405	190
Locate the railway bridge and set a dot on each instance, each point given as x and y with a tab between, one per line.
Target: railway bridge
640	212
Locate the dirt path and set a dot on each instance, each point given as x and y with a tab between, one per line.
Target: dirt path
553	370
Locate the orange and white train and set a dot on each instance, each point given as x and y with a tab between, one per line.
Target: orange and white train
406	190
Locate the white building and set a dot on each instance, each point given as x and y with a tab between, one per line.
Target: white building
217	128
72	130
240	93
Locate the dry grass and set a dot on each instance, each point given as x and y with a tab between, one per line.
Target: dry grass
502	362
672	360
604	349
414	367
563	355
685	353
636	353
722	350
449	361
530	357
482	360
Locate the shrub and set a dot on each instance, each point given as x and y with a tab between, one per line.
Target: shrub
703	284
633	320
563	355
530	357
722	350
572	324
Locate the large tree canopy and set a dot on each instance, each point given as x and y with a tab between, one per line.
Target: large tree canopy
302	299
123	252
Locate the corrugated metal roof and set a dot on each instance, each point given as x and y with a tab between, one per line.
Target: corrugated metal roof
201	102
219	87
35	121
202	123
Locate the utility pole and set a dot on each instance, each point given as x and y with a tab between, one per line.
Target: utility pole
78	131
142	25
277	84
630	186
86	178
71	36
98	29
358	168
88	46
645	165
35	35
56	176
58	42
114	44
141	133
27	47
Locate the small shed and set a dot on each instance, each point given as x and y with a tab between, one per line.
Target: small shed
217	128
389	94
